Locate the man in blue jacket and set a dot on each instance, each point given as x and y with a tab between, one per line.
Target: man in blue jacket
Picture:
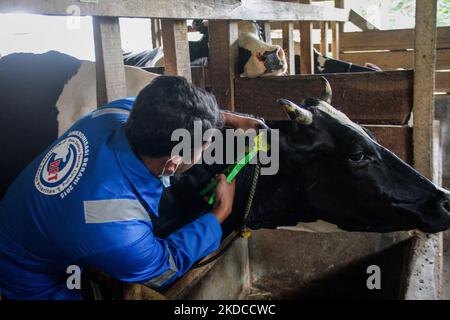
86	200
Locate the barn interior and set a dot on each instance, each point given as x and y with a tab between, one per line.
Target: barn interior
415	80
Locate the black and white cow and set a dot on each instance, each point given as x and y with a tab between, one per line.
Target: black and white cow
323	65
334	176
256	57
41	96
198	51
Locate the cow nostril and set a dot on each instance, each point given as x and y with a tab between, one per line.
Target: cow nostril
445	204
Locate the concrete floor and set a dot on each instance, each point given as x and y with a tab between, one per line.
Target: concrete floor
445	290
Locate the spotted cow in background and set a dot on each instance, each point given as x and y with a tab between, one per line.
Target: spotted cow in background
256	57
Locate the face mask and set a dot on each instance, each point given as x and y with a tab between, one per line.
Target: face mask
165	180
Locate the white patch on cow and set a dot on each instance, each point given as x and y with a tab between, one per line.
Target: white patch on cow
137	79
249	39
340	117
321	60
158	60
79	95
317	226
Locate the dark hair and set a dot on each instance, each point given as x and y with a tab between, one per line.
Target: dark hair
166	104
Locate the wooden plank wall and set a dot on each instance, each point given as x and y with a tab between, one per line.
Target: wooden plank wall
367	98
394	49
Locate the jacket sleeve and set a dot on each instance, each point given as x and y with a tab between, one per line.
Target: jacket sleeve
138	256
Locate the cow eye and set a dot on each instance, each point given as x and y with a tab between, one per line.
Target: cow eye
358	157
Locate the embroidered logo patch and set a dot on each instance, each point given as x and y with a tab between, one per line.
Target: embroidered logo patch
63	166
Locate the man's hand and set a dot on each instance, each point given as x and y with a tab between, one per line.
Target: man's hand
242	122
249	123
224	198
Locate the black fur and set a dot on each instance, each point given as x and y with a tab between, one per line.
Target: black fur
30	85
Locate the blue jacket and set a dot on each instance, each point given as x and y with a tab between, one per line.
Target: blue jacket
85	201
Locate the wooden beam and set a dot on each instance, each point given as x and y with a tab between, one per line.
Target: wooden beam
335	44
442	82
361	22
341	5
424	83
267	32
306	45
368	98
388	40
223	56
156	33
111	83
427	247
176	48
391	60
288	46
264	10
324	38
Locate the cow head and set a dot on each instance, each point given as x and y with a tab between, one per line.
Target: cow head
256	57
332	170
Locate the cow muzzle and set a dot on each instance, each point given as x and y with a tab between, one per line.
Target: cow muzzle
274	60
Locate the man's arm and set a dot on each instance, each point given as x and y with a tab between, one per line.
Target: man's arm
241	121
133	254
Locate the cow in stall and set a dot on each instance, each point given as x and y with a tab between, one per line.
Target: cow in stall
256	57
333	176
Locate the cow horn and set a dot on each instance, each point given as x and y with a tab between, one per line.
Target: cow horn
327	92
295	112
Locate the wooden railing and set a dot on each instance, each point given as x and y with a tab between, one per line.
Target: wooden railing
394	49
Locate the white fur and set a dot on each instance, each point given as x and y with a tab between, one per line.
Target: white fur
249	39
341	117
79	94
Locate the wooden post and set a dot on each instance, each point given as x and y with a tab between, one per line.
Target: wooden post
335	44
306	45
156	33
267	32
341	5
324	38
223	56
288	46
424	83
111	83
426	247
176	48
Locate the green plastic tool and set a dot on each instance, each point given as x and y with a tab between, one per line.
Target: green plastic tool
233	170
